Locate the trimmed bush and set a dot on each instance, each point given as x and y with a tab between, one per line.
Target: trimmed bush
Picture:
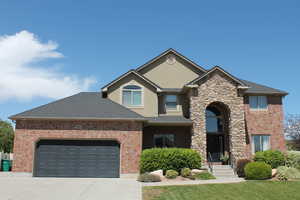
171	174
271	157
258	171
185	172
240	167
287	173
203	176
147	177
169	158
293	159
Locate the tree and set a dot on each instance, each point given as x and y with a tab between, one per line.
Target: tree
6	137
292	128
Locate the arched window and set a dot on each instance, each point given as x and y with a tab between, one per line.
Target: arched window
214	120
132	95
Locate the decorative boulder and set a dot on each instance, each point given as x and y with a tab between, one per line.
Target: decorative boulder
159	173
197	171
274	172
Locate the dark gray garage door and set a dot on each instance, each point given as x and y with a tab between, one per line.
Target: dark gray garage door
74	158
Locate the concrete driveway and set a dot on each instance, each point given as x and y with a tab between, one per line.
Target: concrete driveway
28	188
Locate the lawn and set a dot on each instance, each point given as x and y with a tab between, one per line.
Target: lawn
250	190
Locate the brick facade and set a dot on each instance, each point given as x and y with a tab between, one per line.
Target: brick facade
128	134
266	122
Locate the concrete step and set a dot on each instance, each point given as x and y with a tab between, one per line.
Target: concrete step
223	171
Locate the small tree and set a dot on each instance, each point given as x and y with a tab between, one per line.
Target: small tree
6	137
292	128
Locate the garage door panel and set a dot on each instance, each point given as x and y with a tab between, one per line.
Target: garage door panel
72	158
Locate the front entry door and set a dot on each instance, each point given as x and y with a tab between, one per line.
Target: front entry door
215	147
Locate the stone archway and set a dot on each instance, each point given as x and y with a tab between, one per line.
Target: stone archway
217	117
218	88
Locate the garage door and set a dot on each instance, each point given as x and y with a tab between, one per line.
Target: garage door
74	158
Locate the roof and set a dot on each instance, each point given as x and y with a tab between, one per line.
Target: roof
196	66
165	119
175	90
84	105
104	88
217	68
255	88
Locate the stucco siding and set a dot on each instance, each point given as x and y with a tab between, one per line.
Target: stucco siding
149	106
167	75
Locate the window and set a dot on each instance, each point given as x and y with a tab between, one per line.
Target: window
260	143
132	95
258	102
171	102
214	121
164	140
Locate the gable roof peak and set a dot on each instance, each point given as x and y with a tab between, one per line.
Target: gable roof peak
241	83
171	50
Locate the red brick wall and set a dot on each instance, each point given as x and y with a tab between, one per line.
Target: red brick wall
128	134
269	122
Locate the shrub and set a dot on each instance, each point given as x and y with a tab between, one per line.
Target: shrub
186	172
147	177
287	173
203	176
271	157
258	171
240	167
293	159
171	174
169	158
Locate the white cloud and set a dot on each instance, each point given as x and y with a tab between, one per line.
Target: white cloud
23	76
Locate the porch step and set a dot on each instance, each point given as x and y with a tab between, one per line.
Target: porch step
223	171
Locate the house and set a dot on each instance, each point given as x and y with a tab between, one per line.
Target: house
168	102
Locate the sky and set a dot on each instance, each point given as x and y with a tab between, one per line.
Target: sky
53	49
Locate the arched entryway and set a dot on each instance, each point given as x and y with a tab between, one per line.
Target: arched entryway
217	131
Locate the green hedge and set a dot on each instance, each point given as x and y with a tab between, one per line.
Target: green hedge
271	157
169	158
258	171
293	159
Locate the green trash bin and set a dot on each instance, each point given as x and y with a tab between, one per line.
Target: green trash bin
5	165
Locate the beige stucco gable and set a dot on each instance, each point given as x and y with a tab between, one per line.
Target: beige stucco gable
170	74
149	106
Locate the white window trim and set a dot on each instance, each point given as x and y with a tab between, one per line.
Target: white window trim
252	142
259	109
142	96
165	103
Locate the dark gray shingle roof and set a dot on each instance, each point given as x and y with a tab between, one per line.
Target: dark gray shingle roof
255	88
169	120
84	105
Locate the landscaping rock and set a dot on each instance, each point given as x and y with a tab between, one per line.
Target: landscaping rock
197	171
274	172
158	173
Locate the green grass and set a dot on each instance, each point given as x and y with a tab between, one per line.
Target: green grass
204	176
250	190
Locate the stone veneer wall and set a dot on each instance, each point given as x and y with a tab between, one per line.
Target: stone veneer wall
127	133
218	88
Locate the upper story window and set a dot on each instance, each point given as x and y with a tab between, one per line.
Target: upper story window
171	102
132	95
258	102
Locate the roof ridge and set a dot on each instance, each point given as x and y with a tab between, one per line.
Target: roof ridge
44	105
176	53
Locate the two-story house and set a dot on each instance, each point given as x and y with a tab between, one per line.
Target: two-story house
169	101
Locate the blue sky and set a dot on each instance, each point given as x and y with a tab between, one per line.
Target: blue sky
96	41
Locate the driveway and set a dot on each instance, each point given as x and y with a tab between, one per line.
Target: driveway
28	188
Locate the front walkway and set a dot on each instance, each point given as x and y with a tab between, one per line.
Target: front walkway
196	182
22	187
